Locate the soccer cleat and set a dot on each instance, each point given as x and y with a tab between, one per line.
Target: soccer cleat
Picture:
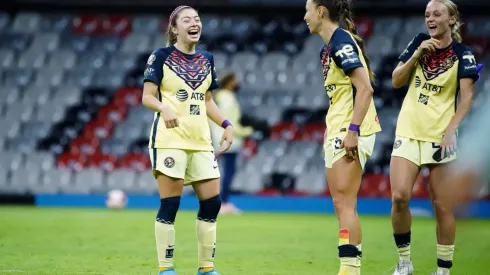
404	268
212	272
169	271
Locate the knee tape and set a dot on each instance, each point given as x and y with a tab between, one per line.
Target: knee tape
209	209
168	210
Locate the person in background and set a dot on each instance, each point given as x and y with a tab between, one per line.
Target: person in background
227	102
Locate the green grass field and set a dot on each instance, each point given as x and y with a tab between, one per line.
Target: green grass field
98	241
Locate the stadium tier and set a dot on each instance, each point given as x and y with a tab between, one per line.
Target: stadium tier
72	119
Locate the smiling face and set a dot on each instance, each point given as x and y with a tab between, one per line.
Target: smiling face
188	26
313	16
438	20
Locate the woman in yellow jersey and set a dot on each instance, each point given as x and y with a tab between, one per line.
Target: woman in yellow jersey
178	81
437	67
351	126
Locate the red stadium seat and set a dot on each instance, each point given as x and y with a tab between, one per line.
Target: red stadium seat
364	27
128	96
98	129
86	146
137	162
105	162
73	160
421	188
314	132
117	25
285	131
296	193
370	185
269	192
113	112
249	148
87	25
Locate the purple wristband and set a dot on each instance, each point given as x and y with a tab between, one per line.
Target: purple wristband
225	124
354	128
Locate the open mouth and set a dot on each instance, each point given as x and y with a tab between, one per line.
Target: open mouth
432	27
193	32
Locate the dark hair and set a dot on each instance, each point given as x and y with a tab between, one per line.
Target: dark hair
172	22
340	11
226	78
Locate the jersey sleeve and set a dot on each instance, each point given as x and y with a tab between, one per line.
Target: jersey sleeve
412	47
154	68
346	54
214	83
467	65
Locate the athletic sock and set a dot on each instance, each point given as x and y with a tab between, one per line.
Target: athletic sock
402	242
445	254
165	231
349	254
206	232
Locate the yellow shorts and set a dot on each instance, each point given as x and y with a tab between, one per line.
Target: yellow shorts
418	152
333	152
191	166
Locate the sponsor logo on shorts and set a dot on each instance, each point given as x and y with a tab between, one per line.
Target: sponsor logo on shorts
397	144
169	162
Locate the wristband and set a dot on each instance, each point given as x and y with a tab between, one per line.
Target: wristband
354	128
225	124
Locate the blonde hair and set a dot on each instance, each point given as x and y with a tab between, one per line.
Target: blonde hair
452	9
172	22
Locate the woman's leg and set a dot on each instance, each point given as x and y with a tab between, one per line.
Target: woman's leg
170	190
403	174
344	180
442	201
229	168
207	192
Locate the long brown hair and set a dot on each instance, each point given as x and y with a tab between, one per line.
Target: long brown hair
452	8
341	11
172	22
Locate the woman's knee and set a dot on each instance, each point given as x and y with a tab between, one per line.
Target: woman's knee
441	207
343	202
400	198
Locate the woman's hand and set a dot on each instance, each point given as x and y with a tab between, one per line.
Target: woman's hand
350	144
449	143
428	46
226	139
170	118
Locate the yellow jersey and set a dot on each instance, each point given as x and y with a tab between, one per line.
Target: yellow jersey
182	80
430	102
339	58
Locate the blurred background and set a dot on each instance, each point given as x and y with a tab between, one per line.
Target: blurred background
72	126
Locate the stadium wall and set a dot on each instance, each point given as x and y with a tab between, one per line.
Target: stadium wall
322	205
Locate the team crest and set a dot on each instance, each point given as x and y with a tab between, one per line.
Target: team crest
435	64
397	144
169	162
151	59
193	71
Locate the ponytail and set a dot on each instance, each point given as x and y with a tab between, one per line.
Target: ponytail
346	17
172	22
452	9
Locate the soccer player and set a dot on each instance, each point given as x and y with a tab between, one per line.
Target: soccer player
351	121
178	81
437	67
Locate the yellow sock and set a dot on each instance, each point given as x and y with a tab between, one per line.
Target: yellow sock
206	243
165	240
445	253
